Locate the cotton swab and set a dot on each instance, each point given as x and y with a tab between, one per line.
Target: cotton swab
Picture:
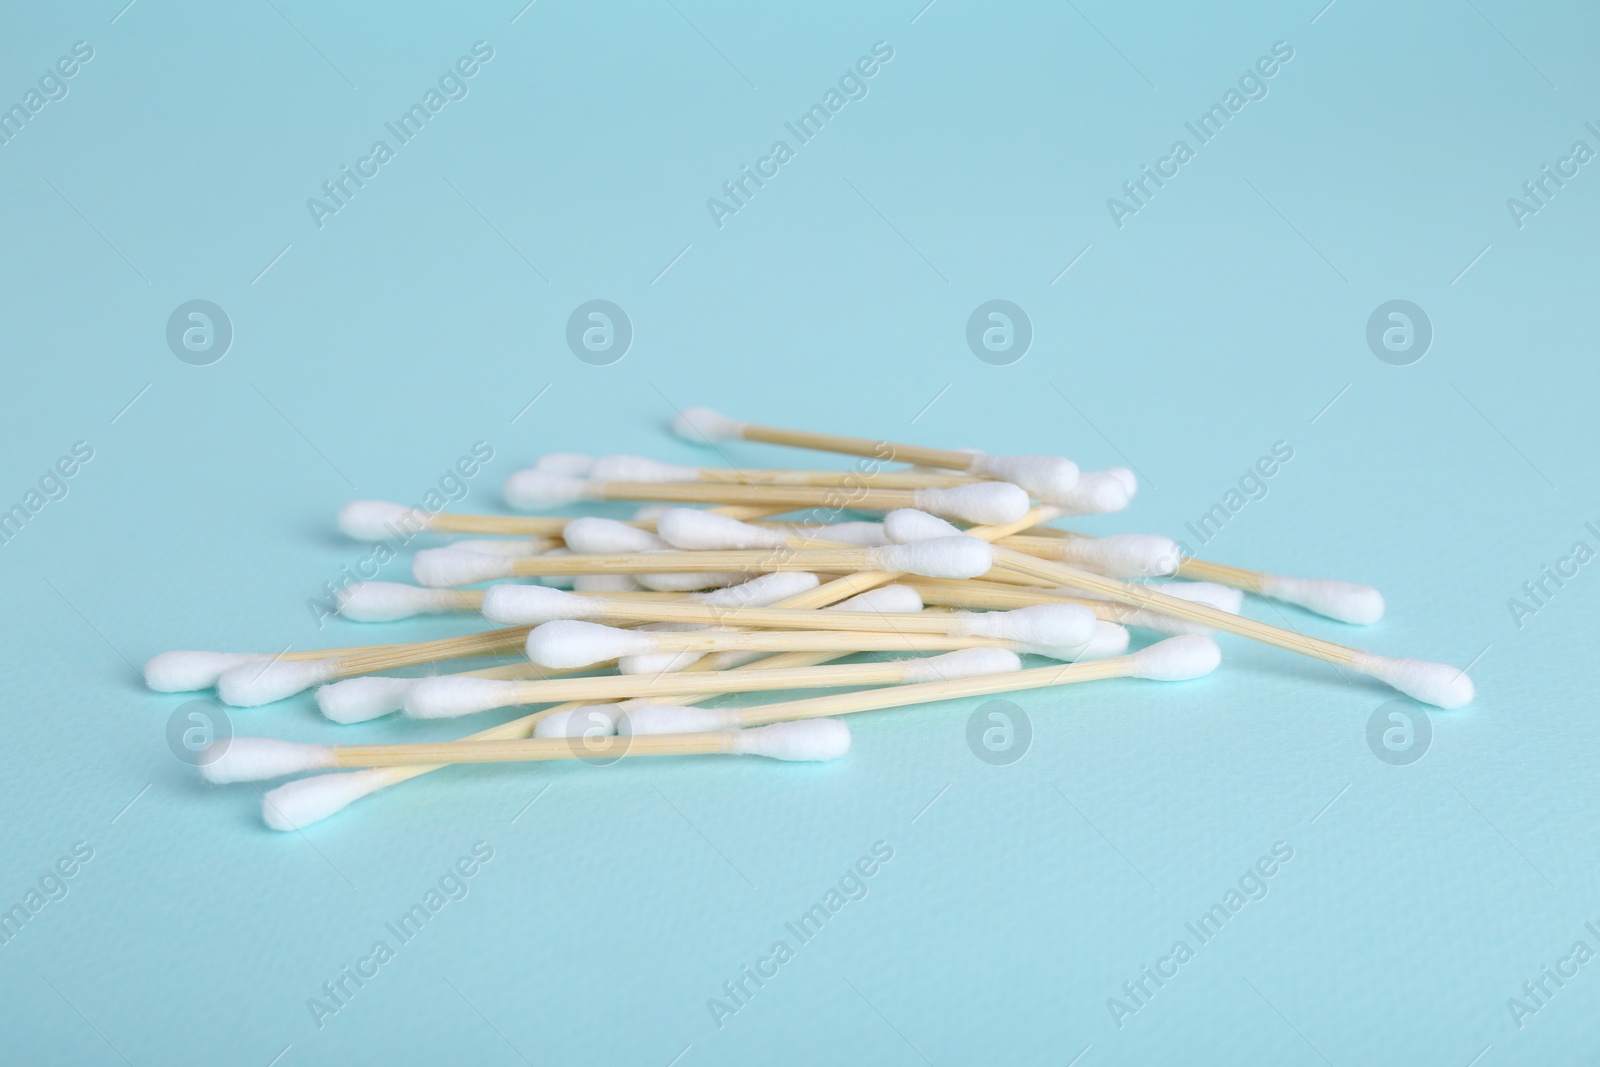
1044	477
1349	602
1175	659
249	759
979	502
949	557
454	696
1059	631
379	520
1438	684
255	683
994	596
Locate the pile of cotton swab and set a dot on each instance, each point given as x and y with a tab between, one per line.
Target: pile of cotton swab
754	581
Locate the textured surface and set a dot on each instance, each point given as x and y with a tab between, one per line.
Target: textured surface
1224	323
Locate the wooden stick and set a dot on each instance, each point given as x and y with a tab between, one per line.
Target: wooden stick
841	642
918	479
533	749
783	497
540	526
900	696
743	561
885	451
704	684
773	618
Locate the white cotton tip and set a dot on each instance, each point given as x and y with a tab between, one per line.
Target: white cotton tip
1124	555
362	699
388	601
760	592
250	759
605	583
600	537
889	599
448	696
305	801
254	684
651	512
530	605
1109	640
572	464
566	644
379	520
559	581
1100	492
1177	659
446	568
806	740
1212	595
984	503
940	557
179	672
692	529
589	720
510	546
1060	631
533	490
701	425
690	581
866	534
675	719
1046	478
967	663
906	525
1438	684
1345	601
640	469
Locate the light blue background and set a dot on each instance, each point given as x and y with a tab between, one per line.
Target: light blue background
1226	316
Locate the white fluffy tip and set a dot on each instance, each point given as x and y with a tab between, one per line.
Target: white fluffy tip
640	469
605	583
1177	659
530	605
865	534
565	644
1438	684
1345	601
250	759
1109	640
809	740
887	599
533	490
379	520
984	503
305	801
689	581
692	529
967	663
254	684
446	568
1212	595
1060	631
361	699
1125	555
588	720
702	425
595	536
179	672
388	601
939	557
451	696
571	464
906	525
1046	478
1100	492
762	591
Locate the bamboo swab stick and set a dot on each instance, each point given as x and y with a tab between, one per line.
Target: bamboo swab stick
245	759
378	520
981	502
951	557
994	596
453	696
1438	684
